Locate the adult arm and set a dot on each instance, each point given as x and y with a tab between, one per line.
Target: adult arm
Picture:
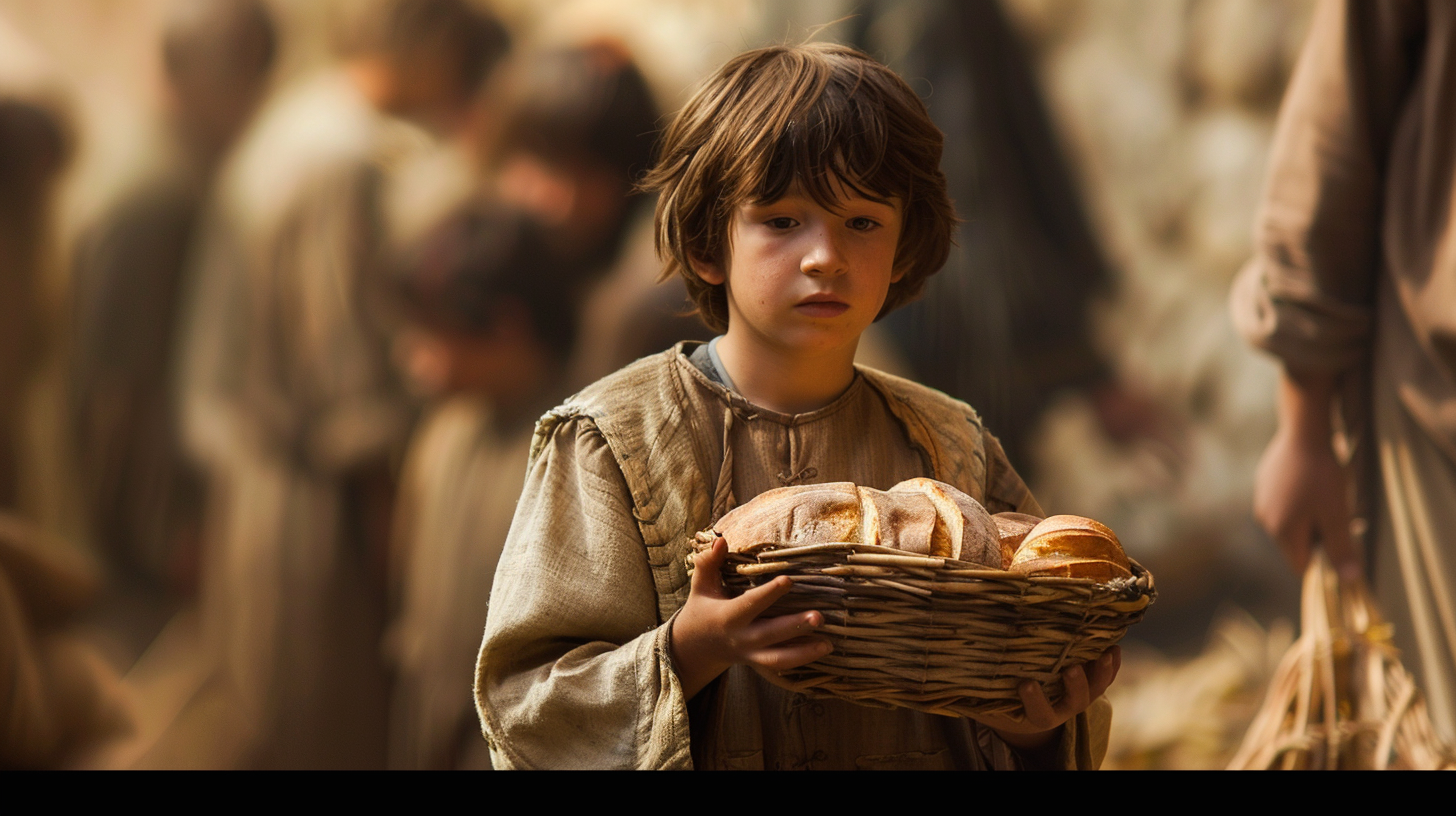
1308	294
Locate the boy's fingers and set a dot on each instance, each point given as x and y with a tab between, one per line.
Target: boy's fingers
767	632
1102	671
757	600
708	570
1039	712
791	655
1077	695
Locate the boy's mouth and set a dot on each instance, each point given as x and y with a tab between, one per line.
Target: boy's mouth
821	305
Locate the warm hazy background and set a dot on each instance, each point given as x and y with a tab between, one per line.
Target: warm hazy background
1165	109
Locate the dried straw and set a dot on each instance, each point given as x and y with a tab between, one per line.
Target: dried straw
1341	700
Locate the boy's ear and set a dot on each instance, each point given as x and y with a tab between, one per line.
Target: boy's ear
710	272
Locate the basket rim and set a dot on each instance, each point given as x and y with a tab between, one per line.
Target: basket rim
1141	580
934	634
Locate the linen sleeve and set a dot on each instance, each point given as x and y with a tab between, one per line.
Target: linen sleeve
574	671
1307	295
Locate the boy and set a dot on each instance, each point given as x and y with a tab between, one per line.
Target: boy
800	197
488	333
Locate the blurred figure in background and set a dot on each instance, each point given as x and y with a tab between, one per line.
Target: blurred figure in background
491	320
1353	288
575	130
292	402
59	696
131	270
1007	325
35	147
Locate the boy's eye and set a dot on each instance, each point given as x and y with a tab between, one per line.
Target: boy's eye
781	223
863	224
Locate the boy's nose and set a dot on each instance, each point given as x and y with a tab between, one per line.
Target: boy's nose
823	256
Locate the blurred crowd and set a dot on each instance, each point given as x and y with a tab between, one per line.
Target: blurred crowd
265	411
301	354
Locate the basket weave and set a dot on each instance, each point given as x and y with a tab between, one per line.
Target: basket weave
937	635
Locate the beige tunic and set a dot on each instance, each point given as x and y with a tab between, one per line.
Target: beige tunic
575	671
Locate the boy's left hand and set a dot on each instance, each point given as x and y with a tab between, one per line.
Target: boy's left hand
1043	720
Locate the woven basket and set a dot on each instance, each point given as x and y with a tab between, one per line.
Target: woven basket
938	635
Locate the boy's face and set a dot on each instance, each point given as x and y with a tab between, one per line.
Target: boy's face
802	278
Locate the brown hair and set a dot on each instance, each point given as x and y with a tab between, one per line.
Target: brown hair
798	114
464	32
457	277
582	102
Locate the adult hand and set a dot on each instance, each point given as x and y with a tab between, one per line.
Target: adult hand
1300	486
714	631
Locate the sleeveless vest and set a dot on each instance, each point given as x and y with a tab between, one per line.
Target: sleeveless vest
641	412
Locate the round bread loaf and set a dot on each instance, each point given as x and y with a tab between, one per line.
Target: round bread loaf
1072	547
918	515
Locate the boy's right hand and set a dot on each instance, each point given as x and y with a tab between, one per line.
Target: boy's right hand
714	631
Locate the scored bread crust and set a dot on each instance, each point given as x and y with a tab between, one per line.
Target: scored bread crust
904	523
1072	547
919	515
964	530
803	514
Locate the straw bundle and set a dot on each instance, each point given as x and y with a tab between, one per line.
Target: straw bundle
1340	698
935	634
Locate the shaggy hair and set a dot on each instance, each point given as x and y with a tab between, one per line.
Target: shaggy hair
804	115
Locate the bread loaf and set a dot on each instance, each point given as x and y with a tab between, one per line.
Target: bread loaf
1072	547
919	515
1012	528
963	530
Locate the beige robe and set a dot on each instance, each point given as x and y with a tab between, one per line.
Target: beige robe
1355	272
575	669
292	405
141	495
462	477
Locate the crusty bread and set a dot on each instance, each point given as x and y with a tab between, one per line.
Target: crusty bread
1012	529
1072	547
905	523
805	514
963	530
920	516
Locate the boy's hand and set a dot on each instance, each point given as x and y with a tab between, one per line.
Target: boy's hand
1039	731
714	631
